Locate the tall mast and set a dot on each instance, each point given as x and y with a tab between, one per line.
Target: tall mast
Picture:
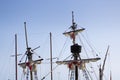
16	56
29	53
75	54
29	62
16	74
51	55
75	48
101	69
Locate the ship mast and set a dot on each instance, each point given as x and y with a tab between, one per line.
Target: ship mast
29	62
77	62
51	56
101	69
16	78
29	53
16	55
75	48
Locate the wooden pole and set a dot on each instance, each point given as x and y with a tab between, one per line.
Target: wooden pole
16	56
51	55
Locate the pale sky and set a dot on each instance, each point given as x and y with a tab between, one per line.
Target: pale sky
99	17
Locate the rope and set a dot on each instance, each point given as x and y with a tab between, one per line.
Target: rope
88	73
86	52
90	64
53	69
27	74
63	48
89	44
83	46
49	72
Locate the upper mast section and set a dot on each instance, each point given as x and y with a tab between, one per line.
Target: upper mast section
26	35
74	25
74	31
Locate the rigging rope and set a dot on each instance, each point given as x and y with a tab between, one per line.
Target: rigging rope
63	48
83	47
49	72
88	74
27	74
54	68
89	44
85	74
86	52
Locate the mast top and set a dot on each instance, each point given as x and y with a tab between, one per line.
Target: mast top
74	25
74	31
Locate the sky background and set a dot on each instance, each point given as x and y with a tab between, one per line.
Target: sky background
99	17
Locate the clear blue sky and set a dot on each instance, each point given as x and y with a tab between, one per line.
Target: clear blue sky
99	17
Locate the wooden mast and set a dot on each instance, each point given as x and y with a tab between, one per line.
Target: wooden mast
76	50
29	53
29	62
16	56
51	55
101	69
16	74
75	55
